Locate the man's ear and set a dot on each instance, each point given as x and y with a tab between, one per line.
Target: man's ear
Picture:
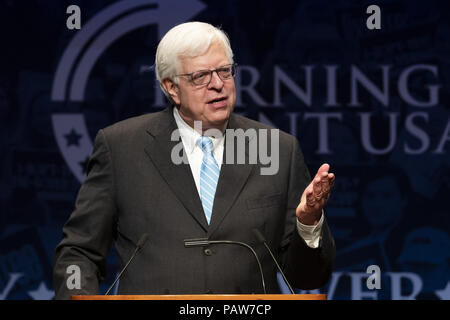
172	89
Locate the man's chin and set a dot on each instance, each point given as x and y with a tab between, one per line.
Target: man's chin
221	114
217	122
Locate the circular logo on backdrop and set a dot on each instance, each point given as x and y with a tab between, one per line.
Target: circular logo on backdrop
82	53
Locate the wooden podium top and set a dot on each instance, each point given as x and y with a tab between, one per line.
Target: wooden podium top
206	297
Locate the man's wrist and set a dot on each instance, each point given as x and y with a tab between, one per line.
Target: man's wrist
311	233
310	219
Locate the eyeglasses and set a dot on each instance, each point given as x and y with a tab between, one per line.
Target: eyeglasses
203	77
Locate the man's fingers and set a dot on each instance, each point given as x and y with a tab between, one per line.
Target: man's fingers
323	177
318	192
317	188
325	199
331	179
310	200
325	184
323	168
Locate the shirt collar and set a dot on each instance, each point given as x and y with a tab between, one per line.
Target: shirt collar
190	136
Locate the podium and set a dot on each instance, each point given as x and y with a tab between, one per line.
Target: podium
205	297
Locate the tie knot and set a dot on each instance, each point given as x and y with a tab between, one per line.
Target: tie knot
206	144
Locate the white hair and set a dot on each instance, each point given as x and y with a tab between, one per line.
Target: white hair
190	39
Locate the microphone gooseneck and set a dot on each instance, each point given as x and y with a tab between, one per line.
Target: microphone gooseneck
142	240
201	242
261	239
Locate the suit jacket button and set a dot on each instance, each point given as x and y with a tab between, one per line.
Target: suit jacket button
207	252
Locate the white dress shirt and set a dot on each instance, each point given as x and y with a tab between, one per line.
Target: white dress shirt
189	137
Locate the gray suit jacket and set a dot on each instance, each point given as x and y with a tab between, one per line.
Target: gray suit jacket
132	187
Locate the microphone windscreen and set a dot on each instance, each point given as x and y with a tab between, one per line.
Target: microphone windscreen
142	240
259	235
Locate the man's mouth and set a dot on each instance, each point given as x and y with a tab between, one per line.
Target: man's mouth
218	102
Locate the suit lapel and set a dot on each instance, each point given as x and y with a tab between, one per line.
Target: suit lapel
231	180
178	177
232	177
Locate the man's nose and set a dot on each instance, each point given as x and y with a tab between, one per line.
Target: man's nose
216	82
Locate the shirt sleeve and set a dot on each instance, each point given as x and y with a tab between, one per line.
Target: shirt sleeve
311	234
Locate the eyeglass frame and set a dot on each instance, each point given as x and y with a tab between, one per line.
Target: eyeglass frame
191	79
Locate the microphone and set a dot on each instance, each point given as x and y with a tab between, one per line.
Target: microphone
201	242
261	239
139	246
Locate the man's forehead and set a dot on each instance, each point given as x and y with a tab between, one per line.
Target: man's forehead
214	57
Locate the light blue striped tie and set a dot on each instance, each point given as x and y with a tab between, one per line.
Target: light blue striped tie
209	175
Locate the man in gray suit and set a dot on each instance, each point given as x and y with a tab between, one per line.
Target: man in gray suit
135	185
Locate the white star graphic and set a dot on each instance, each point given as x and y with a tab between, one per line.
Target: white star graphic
444	294
41	293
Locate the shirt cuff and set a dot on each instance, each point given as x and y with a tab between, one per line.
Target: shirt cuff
311	234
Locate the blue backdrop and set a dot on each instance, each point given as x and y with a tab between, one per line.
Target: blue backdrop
372	103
